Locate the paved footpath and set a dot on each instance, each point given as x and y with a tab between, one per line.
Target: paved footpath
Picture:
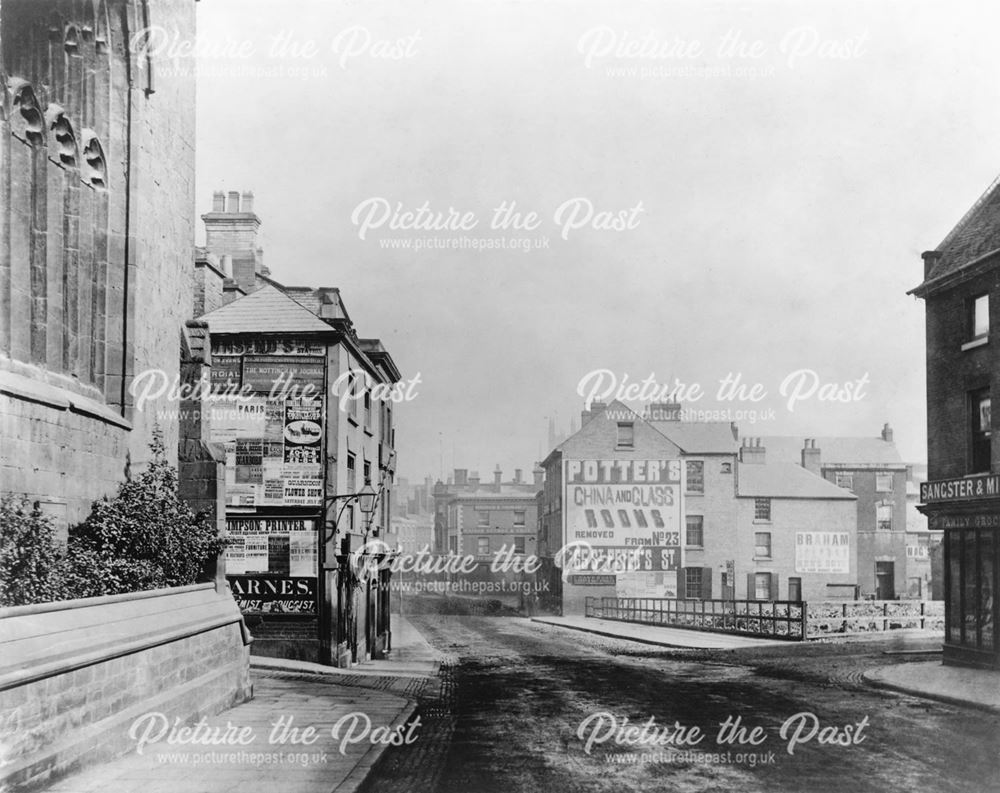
262	745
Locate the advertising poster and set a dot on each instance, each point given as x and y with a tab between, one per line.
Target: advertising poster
273	450
271	564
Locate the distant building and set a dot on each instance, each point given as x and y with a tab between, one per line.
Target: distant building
871	469
675	509
412	535
962	494
481	519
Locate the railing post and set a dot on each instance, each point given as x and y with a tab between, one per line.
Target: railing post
805	620
923	613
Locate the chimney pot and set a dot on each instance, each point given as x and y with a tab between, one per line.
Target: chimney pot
234	202
218	201
248	201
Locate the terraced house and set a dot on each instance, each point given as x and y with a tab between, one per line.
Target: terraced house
732	523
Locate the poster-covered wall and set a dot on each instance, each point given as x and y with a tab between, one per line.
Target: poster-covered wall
271	564
629	515
272	430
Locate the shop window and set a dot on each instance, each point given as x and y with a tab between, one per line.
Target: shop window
970	590
954	599
986	589
695	476
762	509
980	430
762	545
695	530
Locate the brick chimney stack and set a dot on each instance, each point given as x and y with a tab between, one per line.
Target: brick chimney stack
231	231
931	258
497	477
539	474
751	452
811	456
887	433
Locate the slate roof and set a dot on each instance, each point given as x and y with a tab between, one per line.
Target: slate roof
699	437
267	310
833	451
785	480
973	237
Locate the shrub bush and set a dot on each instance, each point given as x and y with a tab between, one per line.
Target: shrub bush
31	559
145	537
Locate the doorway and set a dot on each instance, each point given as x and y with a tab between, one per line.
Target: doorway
885	581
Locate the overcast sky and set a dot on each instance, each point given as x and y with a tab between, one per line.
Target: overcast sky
775	170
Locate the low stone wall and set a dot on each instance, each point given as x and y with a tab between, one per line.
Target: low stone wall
74	675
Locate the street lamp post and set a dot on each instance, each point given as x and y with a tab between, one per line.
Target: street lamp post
365	498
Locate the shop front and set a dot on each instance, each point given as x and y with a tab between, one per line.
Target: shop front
967	510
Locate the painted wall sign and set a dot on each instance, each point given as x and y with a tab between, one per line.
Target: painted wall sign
625	517
942	522
265	346
822	552
624	503
273	594
271	374
591	580
968	488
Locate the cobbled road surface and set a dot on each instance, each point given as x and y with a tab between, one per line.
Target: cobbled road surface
506	716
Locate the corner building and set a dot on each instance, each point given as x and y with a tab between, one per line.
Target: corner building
962	494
